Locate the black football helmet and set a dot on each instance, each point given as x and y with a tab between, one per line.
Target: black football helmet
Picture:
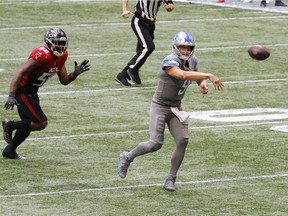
57	41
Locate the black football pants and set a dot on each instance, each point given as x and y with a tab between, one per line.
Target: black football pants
144	31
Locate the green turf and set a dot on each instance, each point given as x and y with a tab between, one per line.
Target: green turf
72	165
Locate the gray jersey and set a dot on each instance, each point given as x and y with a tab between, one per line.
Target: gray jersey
170	90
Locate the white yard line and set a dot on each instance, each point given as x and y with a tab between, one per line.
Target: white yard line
228	4
157	51
53	1
255	6
88	190
146	131
158	22
152	88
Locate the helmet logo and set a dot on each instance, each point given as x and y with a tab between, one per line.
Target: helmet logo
183	39
56	41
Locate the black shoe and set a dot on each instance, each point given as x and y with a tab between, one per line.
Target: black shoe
263	4
134	76
12	155
7	132
280	3
122	80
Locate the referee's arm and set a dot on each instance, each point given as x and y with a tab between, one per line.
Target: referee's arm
125	11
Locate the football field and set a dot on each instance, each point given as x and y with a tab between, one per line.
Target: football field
236	160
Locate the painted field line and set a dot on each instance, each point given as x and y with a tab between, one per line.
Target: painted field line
48	2
207	181
157	51
153	87
159	22
146	131
236	5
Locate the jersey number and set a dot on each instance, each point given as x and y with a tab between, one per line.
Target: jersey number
184	87
42	79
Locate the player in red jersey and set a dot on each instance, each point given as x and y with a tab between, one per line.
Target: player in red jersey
43	62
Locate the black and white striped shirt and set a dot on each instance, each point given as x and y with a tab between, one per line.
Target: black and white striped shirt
149	8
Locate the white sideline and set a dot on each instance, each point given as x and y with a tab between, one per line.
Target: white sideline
207	181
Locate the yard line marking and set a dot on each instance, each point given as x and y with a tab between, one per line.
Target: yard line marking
207	181
157	51
146	131
55	1
255	81
152	87
159	22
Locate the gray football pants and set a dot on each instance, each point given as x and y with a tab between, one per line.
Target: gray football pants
159	116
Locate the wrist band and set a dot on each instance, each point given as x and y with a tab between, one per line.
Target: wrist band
12	94
70	77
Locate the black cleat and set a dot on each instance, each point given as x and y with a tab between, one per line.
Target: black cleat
122	80
134	76
280	3
263	4
7	132
12	155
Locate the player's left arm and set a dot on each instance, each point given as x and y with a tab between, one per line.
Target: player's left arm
66	78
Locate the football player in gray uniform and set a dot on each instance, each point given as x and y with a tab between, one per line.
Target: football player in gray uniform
178	70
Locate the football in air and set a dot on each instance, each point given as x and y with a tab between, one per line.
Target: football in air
258	52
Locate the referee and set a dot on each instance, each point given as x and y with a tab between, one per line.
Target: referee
143	25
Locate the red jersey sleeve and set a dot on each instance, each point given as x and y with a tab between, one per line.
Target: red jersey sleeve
41	54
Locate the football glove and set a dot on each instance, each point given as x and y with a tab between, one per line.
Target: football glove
79	69
11	101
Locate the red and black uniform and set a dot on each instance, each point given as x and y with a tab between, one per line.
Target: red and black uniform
26	95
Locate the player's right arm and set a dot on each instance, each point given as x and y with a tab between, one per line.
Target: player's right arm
178	73
172	66
26	68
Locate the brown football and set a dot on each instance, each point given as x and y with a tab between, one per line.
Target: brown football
258	52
